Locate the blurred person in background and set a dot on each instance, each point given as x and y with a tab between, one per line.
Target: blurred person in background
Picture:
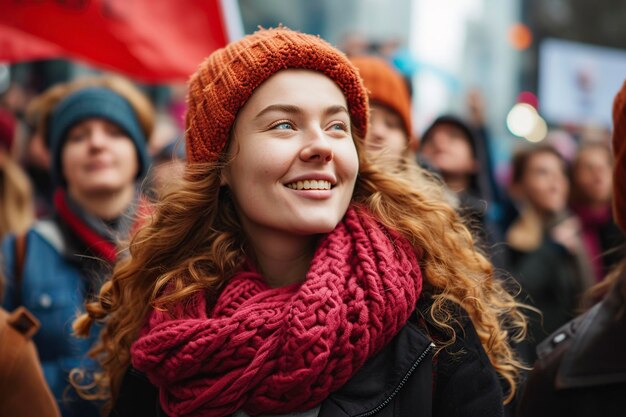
168	166
16	196
547	256
96	130
354	44
390	140
592	184
461	156
35	156
581	369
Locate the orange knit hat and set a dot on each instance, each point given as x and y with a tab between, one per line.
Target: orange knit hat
619	150
227	78
386	86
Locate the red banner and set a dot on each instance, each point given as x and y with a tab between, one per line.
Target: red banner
151	40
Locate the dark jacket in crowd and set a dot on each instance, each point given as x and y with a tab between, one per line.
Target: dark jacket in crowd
409	377
581	369
551	277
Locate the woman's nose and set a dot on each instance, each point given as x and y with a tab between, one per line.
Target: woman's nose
318	148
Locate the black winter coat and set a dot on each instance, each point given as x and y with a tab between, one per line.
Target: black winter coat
397	382
581	369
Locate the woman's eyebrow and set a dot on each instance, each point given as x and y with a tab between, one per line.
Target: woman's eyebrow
335	109
283	108
291	109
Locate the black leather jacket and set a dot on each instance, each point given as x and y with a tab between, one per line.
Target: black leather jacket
581	369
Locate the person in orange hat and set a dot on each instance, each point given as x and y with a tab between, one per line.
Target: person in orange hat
581	370
390	138
288	274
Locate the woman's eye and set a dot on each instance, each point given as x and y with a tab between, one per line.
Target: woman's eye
339	126
283	126
115	131
76	136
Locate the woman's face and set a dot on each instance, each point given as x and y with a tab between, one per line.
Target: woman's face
386	140
449	150
98	157
544	183
593	175
295	162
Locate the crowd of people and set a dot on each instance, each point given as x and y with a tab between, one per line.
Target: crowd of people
303	252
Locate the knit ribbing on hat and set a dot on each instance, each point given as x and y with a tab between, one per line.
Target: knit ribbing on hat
227	78
94	102
619	150
386	87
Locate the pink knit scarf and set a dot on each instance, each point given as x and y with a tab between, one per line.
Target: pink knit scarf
280	350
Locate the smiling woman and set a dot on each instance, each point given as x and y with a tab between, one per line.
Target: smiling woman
283	155
287	269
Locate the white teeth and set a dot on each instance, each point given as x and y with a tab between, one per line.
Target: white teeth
310	185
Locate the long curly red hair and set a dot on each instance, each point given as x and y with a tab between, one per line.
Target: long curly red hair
194	243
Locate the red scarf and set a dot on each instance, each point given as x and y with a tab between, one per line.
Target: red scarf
103	246
281	350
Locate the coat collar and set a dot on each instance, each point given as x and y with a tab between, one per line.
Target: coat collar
596	356
382	376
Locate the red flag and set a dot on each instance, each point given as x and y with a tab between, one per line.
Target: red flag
151	40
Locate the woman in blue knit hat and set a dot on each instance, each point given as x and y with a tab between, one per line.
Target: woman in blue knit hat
97	131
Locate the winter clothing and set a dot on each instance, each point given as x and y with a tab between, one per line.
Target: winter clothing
279	350
551	277
227	78
61	269
386	87
581	369
23	389
619	152
602	239
96	102
403	379
7	129
89	229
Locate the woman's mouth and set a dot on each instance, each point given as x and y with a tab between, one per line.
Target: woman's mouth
310	185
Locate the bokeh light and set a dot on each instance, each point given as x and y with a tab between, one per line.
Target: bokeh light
521	119
539	132
520	36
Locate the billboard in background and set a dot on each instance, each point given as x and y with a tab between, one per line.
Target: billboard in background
577	82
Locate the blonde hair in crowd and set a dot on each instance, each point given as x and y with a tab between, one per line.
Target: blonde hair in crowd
194	243
17	210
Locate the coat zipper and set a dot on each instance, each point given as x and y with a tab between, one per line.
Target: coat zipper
401	384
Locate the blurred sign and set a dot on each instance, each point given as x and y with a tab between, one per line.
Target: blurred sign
577	82
151	40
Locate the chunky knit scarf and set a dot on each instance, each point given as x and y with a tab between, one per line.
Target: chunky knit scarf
280	350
